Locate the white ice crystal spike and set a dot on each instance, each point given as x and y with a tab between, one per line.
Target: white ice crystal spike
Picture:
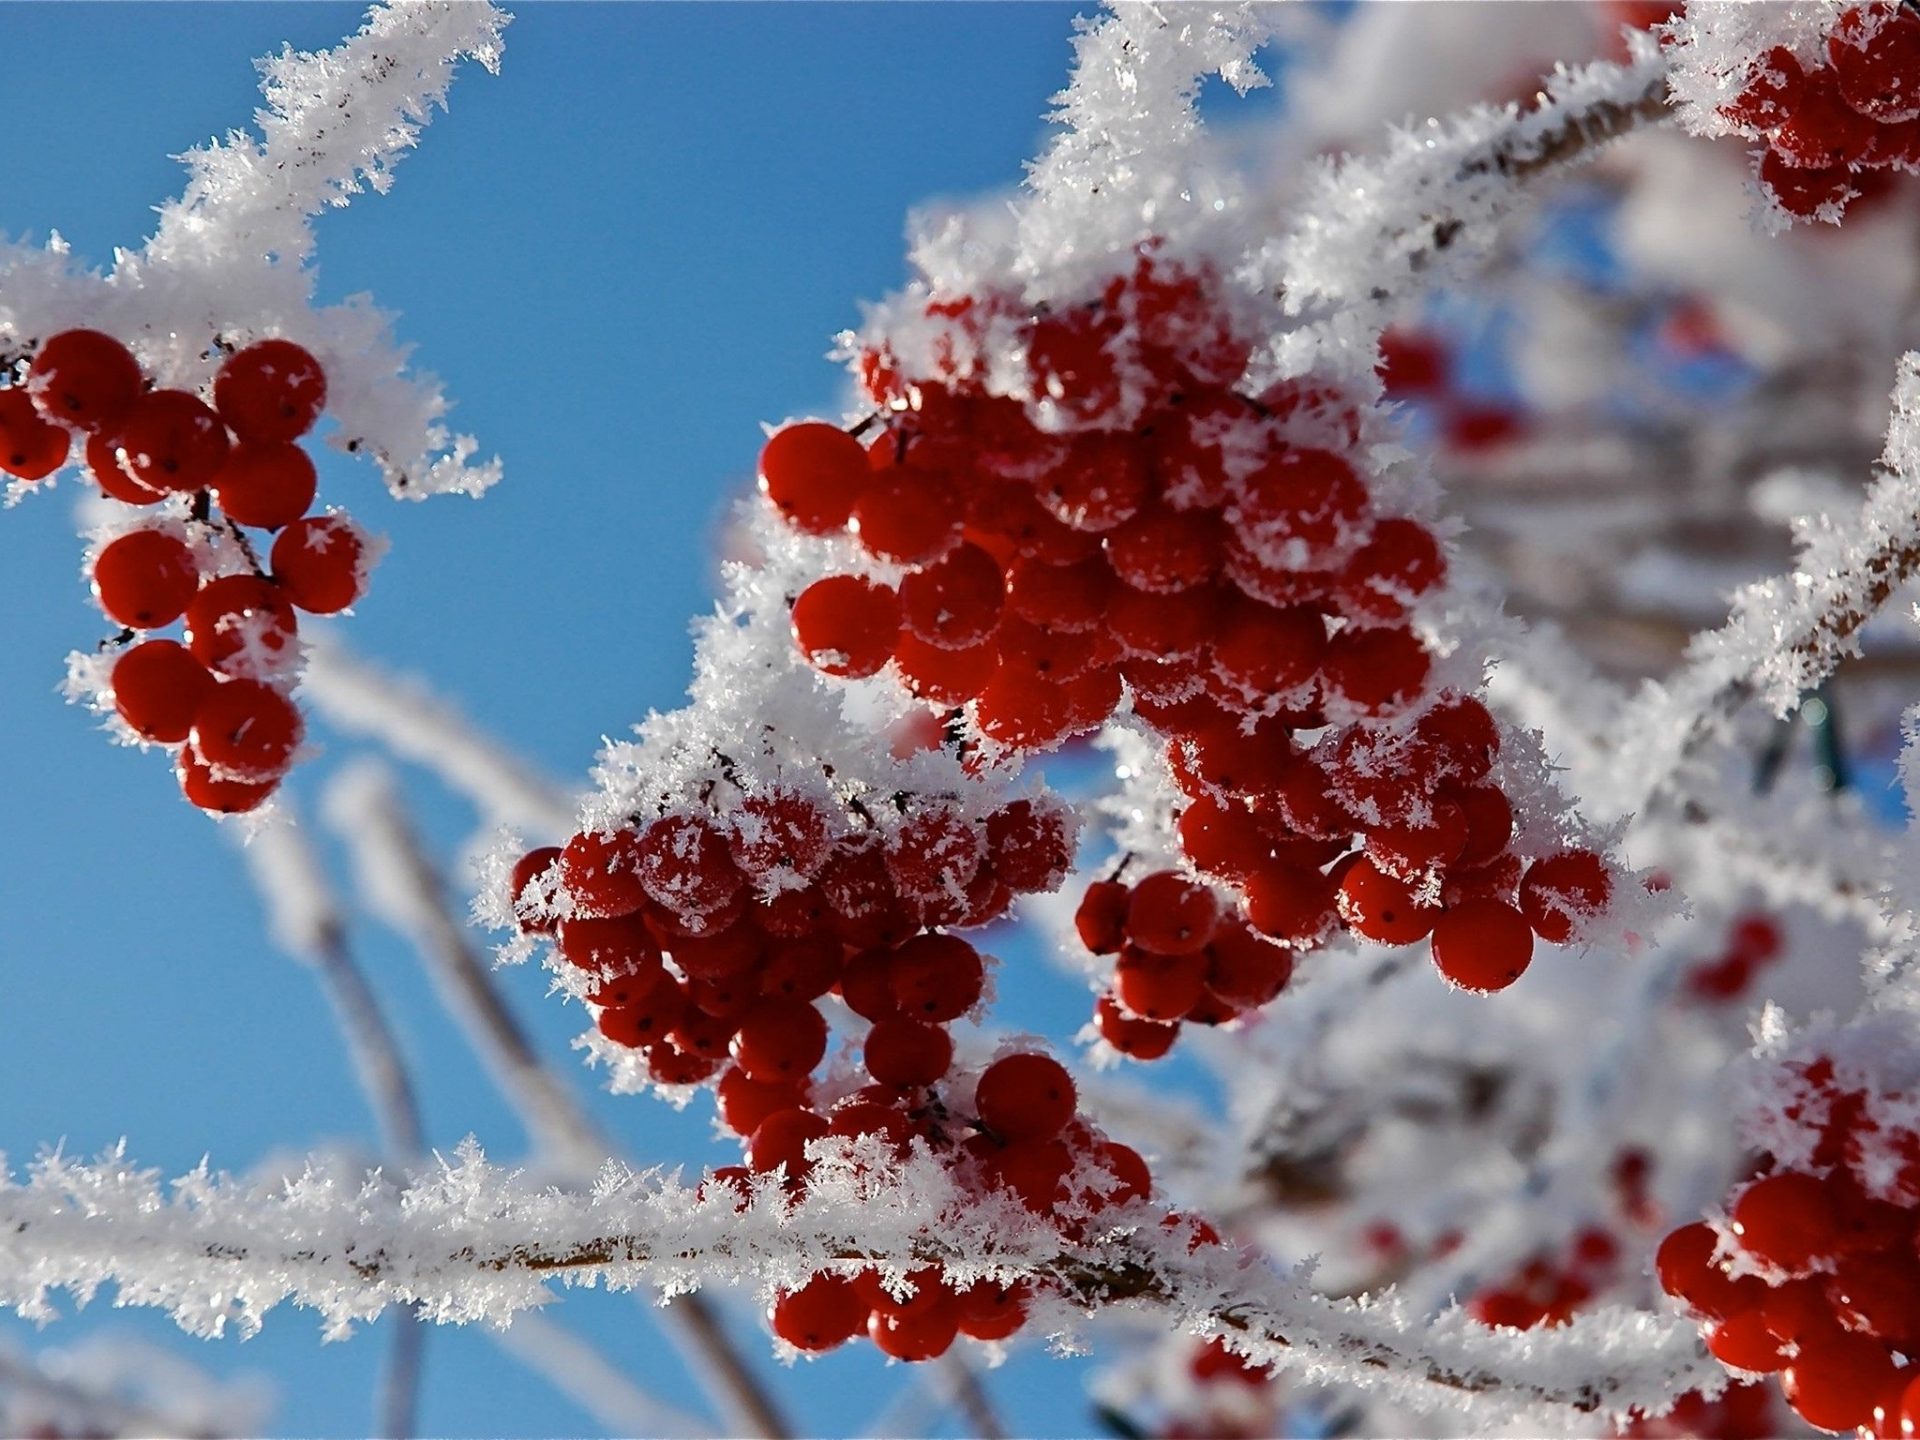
474	1242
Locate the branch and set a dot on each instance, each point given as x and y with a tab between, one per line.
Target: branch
418	725
476	1243
1785	635
1373	226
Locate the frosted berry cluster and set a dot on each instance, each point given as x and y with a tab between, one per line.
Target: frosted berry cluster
1811	1274
1216	561
222	692
707	942
1832	122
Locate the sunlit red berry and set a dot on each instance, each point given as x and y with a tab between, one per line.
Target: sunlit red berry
320	563
246	730
1379	907
1562	893
241	625
1025	1097
169	440
1482	945
214	793
1171	914
780	1041
823	1313
270	392
145	578
157	687
265	485
813	472
85	379
31	447
907	1053
847	626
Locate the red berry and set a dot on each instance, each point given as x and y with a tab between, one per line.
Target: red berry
936	977
1823	130
31	448
609	945
1298	505
779	832
265	485
145	579
1482	945
992	1312
1772	90
1100	483
955	602
1400	562
1413	364
241	625
271	391
103	459
813	473
684	865
1379	907
1025	1097
1170	914
319	562
530	908
247	731
1489	820
1246	969
907	1053
1101	919
1262	652
935	853
1162	551
600	871
169	440
1786	1220
823	1313
1029	846
780	1041
914	1337
217	794
1836	1378
1806	192
847	626
782	1139
1376	670
1129	1034
1877	65
1159	987
85	379
1563	892
157	687
1411	851
945	677
908	516
745	1103
1292	903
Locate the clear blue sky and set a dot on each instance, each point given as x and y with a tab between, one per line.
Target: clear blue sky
622	254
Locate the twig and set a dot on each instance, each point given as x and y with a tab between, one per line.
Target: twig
583	1373
971	1396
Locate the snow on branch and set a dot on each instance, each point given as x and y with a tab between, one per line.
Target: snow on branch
1787	634
418	725
474	1242
1374	226
333	121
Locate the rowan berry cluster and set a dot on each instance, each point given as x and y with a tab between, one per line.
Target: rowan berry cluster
1833	123
1740	1412
1812	1273
1216	560
222	692
706	942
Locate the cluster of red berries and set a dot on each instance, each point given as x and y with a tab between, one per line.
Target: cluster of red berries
222	692
1753	942
1813	1274
1215	556
707	941
1835	123
1548	1290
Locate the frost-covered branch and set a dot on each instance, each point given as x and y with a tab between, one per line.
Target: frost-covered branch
1787	634
474	1243
1373	227
418	725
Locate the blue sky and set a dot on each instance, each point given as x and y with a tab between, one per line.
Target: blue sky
622	255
